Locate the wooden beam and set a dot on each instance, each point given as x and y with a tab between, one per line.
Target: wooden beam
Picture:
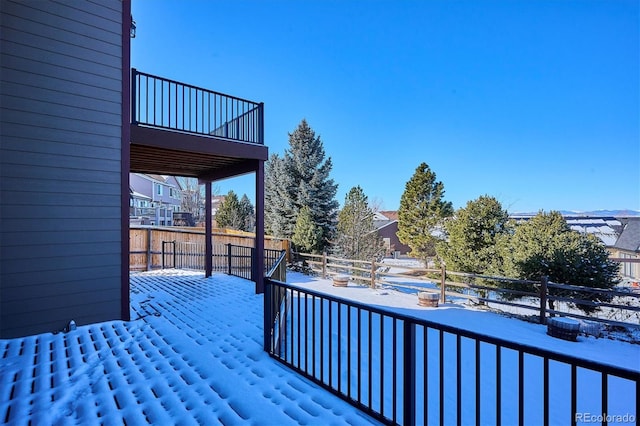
211	145
238	169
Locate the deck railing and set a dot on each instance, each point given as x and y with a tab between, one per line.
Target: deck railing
405	370
168	104
227	258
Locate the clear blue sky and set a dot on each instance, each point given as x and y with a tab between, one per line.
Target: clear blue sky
533	102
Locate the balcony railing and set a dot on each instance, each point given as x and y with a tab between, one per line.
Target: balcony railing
405	370
167	104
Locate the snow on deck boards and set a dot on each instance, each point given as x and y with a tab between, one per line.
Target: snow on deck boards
192	354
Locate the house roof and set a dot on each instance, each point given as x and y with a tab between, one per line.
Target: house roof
390	214
629	238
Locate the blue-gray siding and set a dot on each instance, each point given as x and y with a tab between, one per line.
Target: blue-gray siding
60	164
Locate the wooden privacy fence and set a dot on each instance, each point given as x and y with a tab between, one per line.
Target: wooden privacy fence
617	308
145	243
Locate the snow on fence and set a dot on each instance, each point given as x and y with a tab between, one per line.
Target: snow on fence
620	307
405	370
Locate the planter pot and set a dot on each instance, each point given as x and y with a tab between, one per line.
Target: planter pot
341	281
428	299
563	328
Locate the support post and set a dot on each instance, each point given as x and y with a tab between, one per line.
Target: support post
228	258
543	299
324	265
149	244
373	273
443	280
208	231
259	243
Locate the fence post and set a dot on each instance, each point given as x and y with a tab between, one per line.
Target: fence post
543	299
149	244
373	273
324	265
228	258
442	282
409	374
174	254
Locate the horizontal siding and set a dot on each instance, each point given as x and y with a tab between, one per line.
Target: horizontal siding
56	319
66	224
25	286
28	266
18	239
60	168
27	137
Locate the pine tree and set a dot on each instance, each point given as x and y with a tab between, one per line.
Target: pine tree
229	213
299	179
473	235
422	211
307	235
546	245
356	235
248	214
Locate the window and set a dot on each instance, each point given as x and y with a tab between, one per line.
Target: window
159	190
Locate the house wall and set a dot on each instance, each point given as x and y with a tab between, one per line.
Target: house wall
61	163
389	232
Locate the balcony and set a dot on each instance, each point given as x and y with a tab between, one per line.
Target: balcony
183	130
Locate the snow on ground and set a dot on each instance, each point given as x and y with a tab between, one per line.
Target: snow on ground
607	351
191	355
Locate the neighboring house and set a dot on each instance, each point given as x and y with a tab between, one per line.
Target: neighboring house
386	223
75	121
627	247
156	199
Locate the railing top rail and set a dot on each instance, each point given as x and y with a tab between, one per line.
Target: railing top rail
544	353
136	72
274	268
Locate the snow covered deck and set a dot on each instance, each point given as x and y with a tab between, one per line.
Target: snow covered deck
192	354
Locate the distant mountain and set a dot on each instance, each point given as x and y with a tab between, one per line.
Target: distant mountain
597	213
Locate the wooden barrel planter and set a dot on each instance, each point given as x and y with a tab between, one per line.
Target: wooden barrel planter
341	281
428	299
563	328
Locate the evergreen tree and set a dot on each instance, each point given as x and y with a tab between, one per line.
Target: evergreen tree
307	236
279	214
473	236
356	235
422	212
545	245
248	214
230	213
299	179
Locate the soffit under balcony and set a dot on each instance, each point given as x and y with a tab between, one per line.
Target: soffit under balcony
177	153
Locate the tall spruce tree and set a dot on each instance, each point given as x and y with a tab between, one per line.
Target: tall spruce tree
422	212
248	214
279	212
473	235
299	179
356	234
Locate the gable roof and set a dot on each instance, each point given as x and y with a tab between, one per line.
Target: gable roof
629	238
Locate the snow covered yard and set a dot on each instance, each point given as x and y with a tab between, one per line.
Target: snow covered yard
192	354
